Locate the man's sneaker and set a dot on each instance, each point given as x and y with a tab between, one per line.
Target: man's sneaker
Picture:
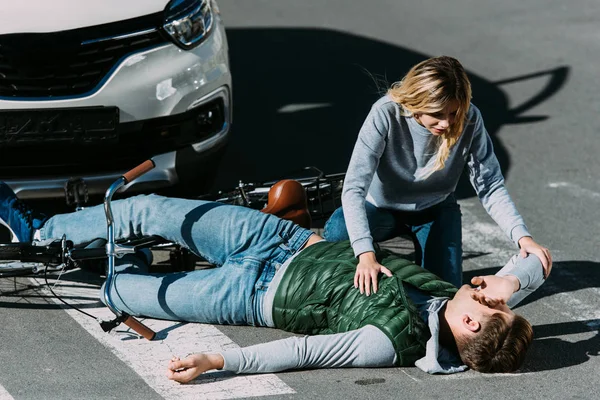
18	217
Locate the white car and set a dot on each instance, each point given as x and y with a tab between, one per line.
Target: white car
90	89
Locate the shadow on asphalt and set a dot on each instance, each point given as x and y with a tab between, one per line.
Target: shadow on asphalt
300	97
548	353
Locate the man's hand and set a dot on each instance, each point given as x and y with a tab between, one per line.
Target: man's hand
367	271
493	290
529	246
186	370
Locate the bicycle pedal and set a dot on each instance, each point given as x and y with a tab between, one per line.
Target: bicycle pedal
108	326
76	192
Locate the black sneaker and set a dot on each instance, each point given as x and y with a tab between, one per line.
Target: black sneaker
18	217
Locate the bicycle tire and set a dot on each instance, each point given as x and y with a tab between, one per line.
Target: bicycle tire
324	194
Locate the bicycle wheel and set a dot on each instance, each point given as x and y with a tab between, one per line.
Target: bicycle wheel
324	194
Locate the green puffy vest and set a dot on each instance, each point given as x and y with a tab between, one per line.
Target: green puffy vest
317	296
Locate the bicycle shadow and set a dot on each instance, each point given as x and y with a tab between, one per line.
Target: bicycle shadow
300	97
77	287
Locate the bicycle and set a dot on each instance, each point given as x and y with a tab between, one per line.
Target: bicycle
323	193
318	196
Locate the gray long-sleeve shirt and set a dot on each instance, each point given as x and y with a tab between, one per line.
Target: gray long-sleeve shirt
369	346
389	164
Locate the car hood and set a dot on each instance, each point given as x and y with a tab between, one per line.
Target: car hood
59	15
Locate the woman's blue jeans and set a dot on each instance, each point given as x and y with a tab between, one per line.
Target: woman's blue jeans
437	230
246	245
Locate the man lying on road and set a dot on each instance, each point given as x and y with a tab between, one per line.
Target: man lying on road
272	272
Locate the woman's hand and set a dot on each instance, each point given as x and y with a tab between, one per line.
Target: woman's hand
529	246
367	271
186	370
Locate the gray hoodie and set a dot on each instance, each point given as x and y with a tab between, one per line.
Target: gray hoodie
389	163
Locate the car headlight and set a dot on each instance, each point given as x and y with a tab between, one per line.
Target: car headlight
188	22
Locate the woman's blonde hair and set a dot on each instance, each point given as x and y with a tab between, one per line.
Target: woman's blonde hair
428	88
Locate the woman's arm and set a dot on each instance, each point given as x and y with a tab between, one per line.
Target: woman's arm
368	149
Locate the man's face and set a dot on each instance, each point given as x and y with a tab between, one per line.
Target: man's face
466	304
439	123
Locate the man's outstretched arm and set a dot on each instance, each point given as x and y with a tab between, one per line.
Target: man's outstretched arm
362	348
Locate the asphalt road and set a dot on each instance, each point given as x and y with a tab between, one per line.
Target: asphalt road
304	75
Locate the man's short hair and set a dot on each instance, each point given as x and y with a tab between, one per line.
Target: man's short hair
500	346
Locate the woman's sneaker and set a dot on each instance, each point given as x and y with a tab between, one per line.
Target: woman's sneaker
18	217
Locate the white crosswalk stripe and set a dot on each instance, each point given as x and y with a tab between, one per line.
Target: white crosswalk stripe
149	358
484	238
4	395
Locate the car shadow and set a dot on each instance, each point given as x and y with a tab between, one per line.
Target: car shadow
300	97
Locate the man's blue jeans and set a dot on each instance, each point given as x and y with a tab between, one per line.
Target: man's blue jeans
246	245
438	231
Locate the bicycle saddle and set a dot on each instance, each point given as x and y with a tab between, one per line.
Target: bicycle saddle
287	200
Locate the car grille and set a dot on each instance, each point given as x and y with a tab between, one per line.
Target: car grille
135	142
74	62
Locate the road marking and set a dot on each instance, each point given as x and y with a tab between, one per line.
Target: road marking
576	310
486	238
575	190
150	358
410	376
569	305
4	395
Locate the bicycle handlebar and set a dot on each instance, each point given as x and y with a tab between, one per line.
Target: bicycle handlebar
138	171
139	327
111	247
